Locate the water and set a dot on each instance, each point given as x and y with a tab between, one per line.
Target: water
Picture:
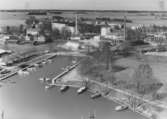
27	99
12	19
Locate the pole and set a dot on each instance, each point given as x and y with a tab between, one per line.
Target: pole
76	24
2	115
125	27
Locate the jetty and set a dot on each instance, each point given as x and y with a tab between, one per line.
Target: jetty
39	59
66	71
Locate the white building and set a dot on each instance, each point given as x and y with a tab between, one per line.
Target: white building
33	31
3	39
58	26
105	31
114	25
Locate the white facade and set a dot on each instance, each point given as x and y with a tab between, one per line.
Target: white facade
58	26
3	39
27	38
72	29
33	31
105	31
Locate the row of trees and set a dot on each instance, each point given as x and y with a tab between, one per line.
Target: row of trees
141	32
134	35
15	29
89	28
144	81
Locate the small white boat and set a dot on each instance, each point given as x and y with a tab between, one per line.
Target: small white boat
44	62
44	79
81	90
31	69
36	65
64	88
74	61
49	87
121	108
23	73
96	95
49	61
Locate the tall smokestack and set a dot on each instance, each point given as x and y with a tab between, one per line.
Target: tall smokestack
76	24
125	28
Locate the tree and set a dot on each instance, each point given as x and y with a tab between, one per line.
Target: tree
56	34
8	30
21	28
86	66
144	80
136	34
107	53
65	33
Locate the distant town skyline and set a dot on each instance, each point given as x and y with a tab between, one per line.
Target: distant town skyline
84	4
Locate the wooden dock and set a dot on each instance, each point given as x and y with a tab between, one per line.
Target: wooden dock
48	56
65	72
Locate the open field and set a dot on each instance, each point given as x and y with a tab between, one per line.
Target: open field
16	18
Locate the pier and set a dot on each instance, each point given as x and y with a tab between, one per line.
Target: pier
65	72
75	54
49	56
39	59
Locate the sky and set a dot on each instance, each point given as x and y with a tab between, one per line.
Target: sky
82	4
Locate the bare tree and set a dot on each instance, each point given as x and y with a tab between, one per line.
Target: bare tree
66	33
144	80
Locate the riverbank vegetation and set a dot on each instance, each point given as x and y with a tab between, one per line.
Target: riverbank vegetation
102	67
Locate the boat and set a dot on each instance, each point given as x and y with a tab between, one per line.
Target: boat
64	88
96	95
121	108
81	90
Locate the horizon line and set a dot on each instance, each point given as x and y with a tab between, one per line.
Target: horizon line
100	10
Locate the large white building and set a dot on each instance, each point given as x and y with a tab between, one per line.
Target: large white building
105	31
58	26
